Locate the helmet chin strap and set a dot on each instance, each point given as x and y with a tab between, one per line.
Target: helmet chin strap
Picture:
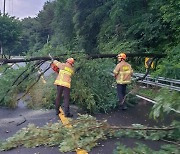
70	64
120	60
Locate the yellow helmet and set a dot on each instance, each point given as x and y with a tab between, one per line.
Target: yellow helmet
122	56
70	61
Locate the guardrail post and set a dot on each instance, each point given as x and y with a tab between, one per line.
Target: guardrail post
171	85
156	80
147	85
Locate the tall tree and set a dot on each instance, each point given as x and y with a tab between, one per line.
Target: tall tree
10	32
87	20
45	20
63	26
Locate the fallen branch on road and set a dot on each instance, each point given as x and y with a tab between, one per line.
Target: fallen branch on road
85	132
18	124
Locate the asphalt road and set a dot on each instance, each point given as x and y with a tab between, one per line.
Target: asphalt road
13	120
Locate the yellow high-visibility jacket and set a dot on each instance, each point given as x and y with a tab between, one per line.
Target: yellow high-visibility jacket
123	73
65	73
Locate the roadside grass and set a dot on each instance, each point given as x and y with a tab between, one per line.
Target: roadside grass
42	95
150	92
9	87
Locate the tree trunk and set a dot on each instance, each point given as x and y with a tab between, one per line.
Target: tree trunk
1	49
88	57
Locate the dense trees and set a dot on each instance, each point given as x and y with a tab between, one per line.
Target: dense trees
106	25
109	26
10	32
101	26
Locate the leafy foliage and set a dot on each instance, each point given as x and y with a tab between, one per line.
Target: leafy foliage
141	148
68	139
63	26
108	27
166	101
85	132
42	95
6	84
16	81
154	135
10	32
92	79
170	68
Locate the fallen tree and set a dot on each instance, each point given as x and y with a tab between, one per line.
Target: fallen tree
34	67
88	57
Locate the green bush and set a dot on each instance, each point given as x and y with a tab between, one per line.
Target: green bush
8	91
92	86
42	95
167	101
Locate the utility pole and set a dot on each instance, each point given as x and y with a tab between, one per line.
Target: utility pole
4	11
1	46
1	50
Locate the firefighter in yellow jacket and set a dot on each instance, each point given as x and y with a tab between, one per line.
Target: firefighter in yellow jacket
63	82
122	74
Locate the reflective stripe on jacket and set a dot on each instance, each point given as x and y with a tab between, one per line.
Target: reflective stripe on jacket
123	72
65	73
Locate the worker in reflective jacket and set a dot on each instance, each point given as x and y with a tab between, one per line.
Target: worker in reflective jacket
122	74
63	82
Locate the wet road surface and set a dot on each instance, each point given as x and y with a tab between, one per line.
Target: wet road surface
11	120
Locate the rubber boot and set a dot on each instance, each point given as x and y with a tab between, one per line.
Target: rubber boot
57	111
67	112
68	115
122	106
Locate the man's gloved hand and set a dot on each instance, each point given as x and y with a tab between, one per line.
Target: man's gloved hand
51	57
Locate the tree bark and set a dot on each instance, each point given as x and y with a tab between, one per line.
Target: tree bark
1	49
129	55
88	57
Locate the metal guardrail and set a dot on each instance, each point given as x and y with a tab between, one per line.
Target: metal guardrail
152	101
159	81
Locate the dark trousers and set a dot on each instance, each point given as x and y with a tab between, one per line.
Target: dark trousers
121	91
66	92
